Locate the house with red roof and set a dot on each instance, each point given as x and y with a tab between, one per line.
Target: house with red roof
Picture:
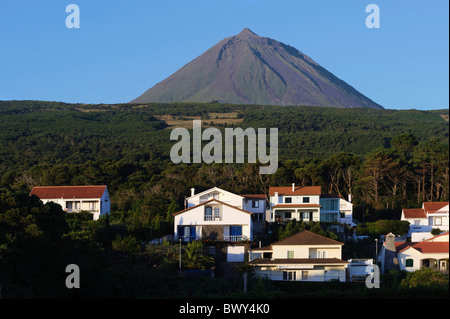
218	214
412	256
73	199
423	220
308	204
304	256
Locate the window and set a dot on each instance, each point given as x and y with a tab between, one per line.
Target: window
91	205
438	221
208	213
342	214
409	262
416	224
255	203
236	230
304	275
187	233
216	195
217	213
280	199
288	200
321	254
287	215
305	199
290	254
289	275
330	204
235	233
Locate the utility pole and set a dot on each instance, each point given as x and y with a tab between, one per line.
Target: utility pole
376	250
179	265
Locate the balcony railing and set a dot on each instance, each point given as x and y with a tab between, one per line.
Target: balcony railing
188	238
234	238
213	218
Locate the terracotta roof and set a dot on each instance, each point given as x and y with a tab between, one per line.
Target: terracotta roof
295	205
433	206
423	246
263	261
287	190
306	237
209	201
431	247
414	213
54	192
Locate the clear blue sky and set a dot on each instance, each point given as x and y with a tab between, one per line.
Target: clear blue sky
122	48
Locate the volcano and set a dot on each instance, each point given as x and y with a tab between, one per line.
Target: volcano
250	69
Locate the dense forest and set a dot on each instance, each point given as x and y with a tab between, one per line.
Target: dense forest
386	159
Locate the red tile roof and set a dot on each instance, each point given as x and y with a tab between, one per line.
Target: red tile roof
426	247
433	206
431	247
414	213
306	237
287	190
54	192
428	208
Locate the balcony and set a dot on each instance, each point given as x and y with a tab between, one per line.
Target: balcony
188	238
209	218
234	238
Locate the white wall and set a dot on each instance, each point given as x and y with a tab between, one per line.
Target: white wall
104	202
222	195
230	216
326	274
304	251
296	199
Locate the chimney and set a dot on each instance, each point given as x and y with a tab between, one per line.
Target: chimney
390	242
192	192
350	198
293	187
391	258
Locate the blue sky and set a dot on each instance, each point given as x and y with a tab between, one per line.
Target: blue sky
122	48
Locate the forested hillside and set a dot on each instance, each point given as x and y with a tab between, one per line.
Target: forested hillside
387	159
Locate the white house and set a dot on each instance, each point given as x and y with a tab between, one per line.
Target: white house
308	204
304	256
301	203
253	203
73	199
213	219
411	256
423	220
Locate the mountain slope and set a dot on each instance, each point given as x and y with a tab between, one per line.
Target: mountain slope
249	69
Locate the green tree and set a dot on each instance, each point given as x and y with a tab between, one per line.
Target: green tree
194	256
425	277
